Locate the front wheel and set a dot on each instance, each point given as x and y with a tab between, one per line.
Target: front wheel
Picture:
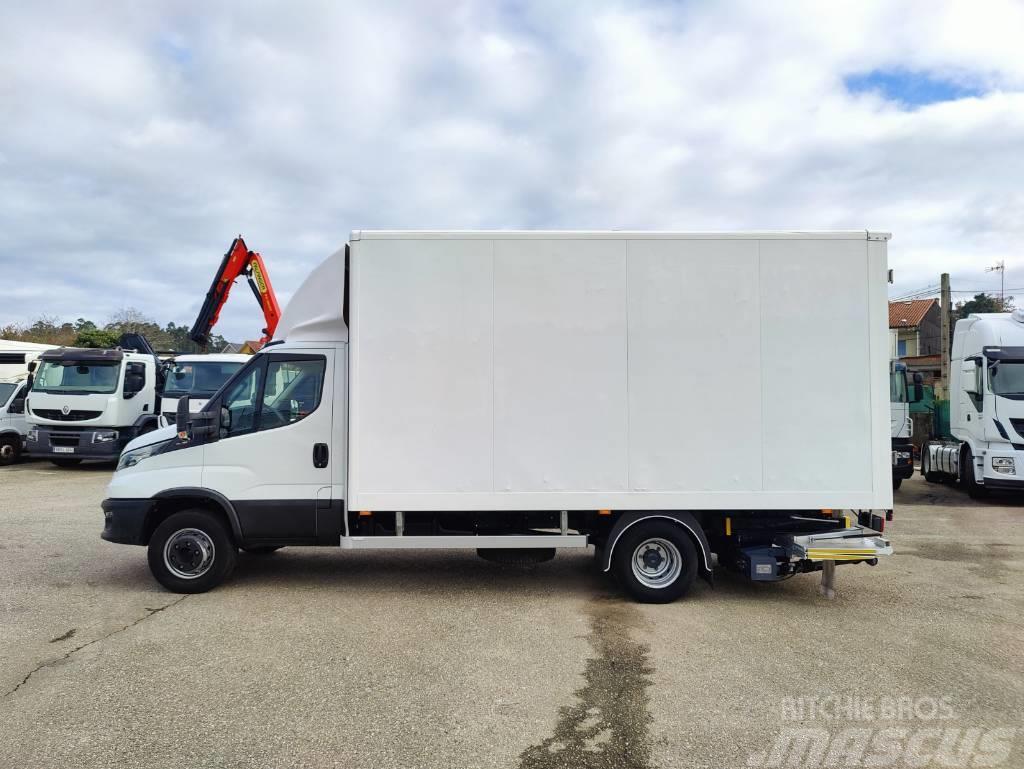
655	561
896	483
10	449
192	552
968	478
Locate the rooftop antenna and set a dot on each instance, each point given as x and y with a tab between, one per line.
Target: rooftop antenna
1000	267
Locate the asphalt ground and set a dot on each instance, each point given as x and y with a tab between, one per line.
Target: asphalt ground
317	657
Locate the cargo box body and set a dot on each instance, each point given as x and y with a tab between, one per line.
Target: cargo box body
618	370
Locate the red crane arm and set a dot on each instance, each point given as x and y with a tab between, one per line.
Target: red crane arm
238	261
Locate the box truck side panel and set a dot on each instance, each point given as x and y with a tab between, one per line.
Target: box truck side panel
422	346
560	404
538	372
815	329
694	365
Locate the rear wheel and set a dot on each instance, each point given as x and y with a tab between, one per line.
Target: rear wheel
66	462
10	449
192	552
655	561
968	476
896	483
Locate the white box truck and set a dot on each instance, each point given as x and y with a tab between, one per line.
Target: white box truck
657	395
986	407
13	426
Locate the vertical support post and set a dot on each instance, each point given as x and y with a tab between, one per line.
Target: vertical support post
945	310
399	524
828	579
565	522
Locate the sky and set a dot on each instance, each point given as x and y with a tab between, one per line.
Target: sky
138	139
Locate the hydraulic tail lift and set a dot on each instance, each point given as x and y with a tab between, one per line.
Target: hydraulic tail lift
238	261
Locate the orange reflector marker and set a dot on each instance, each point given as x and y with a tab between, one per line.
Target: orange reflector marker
728	527
365	513
604	512
827	511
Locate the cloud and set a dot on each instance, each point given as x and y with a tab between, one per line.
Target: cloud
138	142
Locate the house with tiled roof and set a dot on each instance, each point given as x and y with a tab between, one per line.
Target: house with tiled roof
914	328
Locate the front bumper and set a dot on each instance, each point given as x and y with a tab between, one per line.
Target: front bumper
62	443
1004	484
124	520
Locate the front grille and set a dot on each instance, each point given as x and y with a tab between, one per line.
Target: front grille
75	415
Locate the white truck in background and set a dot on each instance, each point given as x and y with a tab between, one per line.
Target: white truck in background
13	426
196	377
901	426
519	392
87	404
15	356
985	450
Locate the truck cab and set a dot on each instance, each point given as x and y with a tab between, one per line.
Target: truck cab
900	425
985	450
13	425
88	404
196	377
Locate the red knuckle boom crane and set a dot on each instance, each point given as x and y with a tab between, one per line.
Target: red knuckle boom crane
238	261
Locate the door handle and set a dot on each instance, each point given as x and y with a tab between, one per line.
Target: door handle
320	455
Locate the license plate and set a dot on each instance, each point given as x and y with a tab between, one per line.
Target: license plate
63	450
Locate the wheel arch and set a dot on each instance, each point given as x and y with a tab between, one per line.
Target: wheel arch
687	521
171	501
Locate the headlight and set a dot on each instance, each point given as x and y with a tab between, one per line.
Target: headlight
33	434
133	457
105	436
1003	465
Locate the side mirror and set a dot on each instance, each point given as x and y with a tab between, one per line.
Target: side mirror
17	406
918	394
32	366
181	419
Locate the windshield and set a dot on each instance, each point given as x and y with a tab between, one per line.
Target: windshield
1006	378
898	387
199	379
77	377
6	388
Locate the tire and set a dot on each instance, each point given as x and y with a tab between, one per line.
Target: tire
655	561
926	467
10	449
975	490
66	462
192	552
262	549
896	483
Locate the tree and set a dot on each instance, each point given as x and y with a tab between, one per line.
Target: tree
99	338
982	303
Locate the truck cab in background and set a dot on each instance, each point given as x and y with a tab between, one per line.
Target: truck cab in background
196	377
985	450
13	426
88	404
900	424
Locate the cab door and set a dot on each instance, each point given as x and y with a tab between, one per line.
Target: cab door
273	456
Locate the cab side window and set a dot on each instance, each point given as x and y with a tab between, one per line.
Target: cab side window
241	401
292	391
